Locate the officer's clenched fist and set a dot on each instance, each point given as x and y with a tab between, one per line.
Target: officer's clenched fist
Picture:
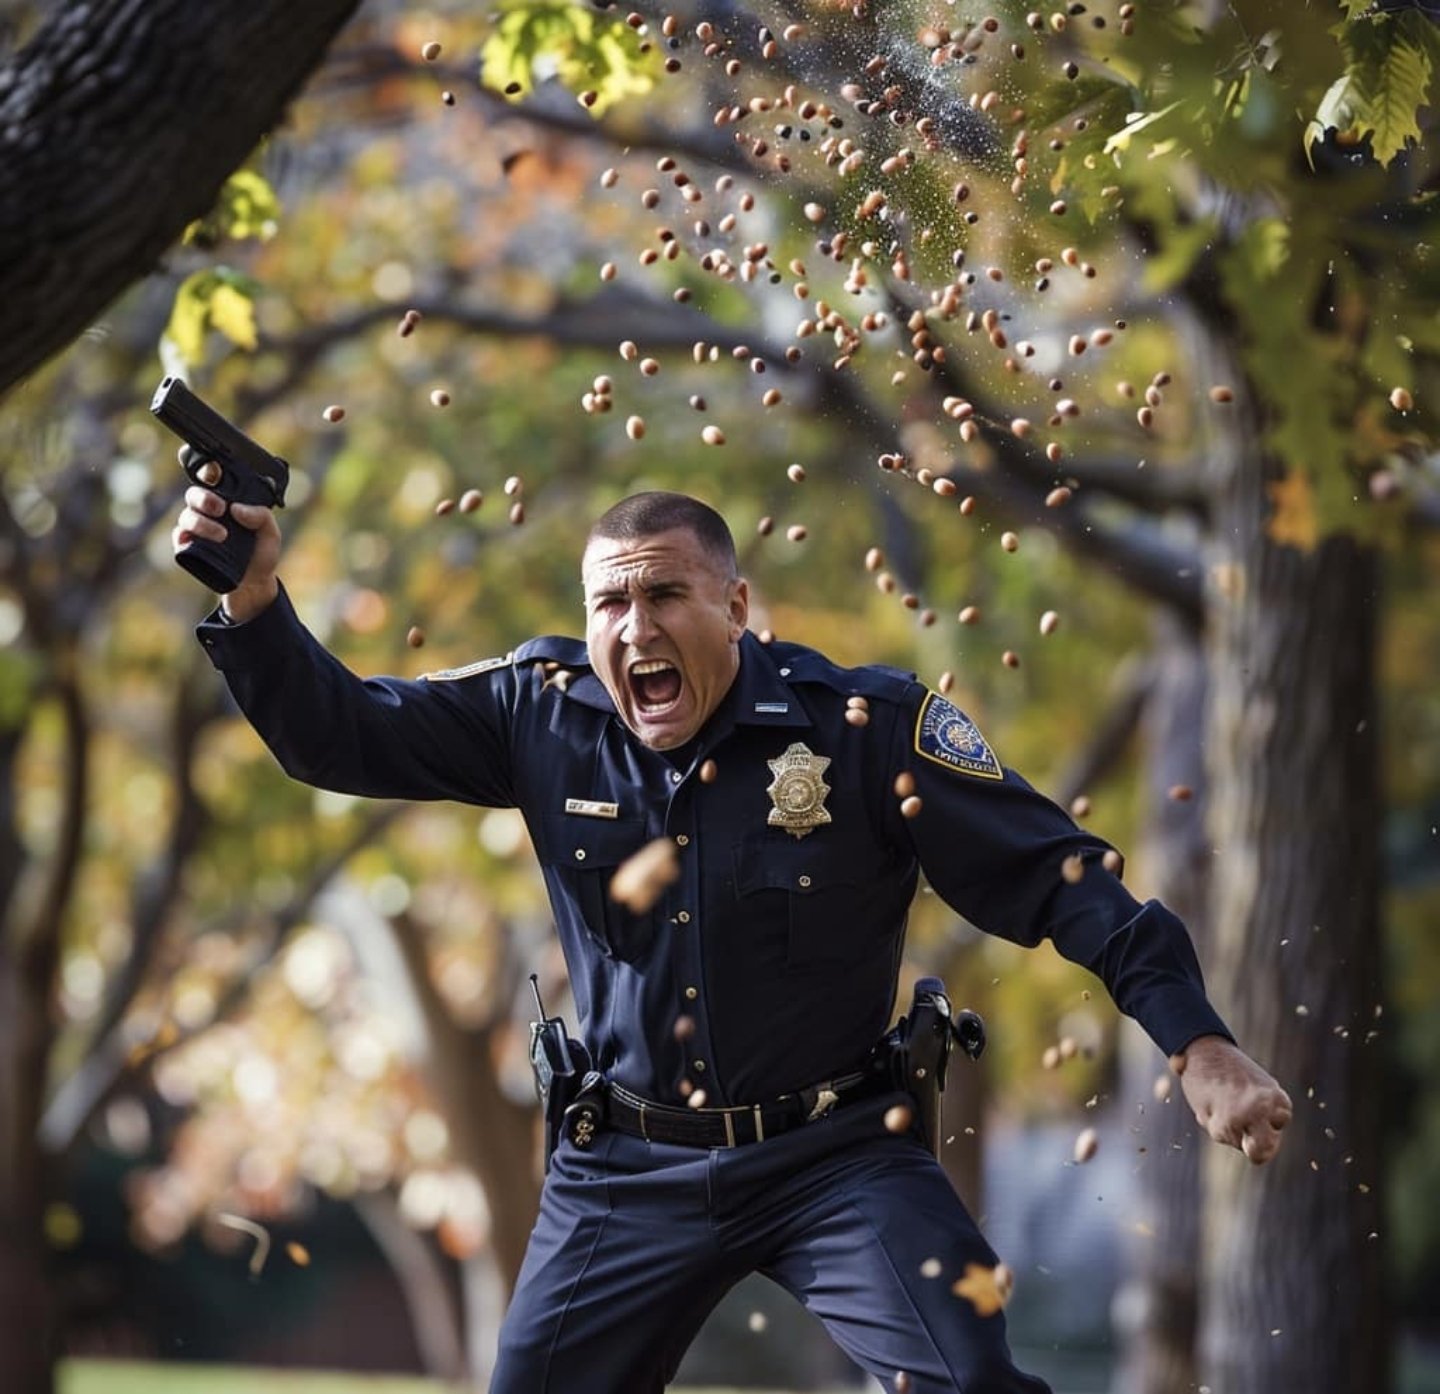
204	517
1234	1100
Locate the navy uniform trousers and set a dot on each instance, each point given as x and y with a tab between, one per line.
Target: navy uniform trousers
636	1243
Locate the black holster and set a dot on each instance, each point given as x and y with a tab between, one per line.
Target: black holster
920	1046
560	1066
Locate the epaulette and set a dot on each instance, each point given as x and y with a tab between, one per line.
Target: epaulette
548	648
554	648
878	680
469	670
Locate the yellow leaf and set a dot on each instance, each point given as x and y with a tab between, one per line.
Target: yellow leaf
1293	523
233	313
189	315
986	1289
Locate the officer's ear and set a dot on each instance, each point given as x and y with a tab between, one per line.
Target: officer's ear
739	607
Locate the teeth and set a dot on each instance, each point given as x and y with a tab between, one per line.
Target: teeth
651	665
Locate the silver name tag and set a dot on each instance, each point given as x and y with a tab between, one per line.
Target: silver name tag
592	808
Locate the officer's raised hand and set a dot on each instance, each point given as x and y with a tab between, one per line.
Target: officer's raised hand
202	518
1233	1099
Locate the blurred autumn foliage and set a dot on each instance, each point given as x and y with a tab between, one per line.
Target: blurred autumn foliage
1220	319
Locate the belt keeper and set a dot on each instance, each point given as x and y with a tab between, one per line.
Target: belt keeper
759	1124
729	1129
643	1131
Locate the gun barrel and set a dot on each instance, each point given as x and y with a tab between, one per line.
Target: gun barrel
207	431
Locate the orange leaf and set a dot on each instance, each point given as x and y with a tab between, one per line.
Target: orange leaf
1293	523
986	1289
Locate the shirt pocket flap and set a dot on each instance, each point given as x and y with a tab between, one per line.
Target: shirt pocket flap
765	865
588	844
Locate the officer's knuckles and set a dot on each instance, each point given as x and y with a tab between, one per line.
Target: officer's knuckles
250	515
1261	1145
204	500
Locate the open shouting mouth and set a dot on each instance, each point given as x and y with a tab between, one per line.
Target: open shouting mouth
655	684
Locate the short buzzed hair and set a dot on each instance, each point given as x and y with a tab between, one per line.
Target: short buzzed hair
644	515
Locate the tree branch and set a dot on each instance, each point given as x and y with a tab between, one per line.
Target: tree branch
157	887
88	202
598	322
116	1059
1138	556
40	944
551	107
1132	688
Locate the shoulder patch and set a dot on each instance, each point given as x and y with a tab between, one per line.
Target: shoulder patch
470	670
944	734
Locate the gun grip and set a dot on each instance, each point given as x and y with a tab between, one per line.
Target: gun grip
219	565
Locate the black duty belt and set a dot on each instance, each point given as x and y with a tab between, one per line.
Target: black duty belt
734	1127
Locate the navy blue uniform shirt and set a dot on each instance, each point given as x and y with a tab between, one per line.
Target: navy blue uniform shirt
783	951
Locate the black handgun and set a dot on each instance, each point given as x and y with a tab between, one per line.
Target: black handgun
223	458
555	1069
926	1036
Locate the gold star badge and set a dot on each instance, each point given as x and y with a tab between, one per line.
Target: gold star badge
798	790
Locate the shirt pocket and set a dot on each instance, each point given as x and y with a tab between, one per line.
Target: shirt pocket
815	892
584	853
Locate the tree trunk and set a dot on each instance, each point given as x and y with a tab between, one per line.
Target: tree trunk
1293	1288
119	122
1157	1310
429	1297
29	957
27	1345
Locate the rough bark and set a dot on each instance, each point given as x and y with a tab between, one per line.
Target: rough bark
119	122
1292	1284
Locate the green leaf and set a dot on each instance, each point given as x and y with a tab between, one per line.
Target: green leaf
1404	80
1181	245
1386	80
1270	280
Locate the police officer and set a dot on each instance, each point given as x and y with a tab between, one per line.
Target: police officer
733	1021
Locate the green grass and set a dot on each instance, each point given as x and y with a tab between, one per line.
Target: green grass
142	1377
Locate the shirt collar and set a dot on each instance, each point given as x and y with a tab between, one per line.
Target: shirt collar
763	697
760	696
